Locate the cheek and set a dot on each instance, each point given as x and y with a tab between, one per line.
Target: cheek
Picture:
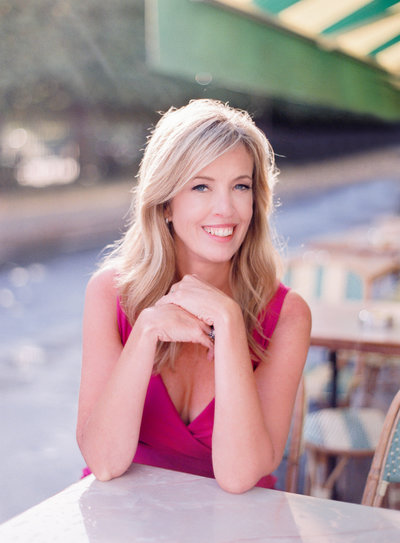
247	209
188	211
248	217
178	207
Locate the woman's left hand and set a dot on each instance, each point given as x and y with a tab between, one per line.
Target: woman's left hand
201	299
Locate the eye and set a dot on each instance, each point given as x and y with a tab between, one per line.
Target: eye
200	188
243	186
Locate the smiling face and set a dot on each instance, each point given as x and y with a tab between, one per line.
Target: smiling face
212	212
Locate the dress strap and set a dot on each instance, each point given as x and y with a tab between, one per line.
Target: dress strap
124	326
270	316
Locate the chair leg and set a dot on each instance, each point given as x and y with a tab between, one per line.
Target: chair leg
317	469
393	496
380	495
335	474
319	480
291	479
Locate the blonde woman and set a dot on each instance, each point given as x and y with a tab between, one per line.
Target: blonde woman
192	348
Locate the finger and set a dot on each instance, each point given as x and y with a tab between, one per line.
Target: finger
175	286
202	335
162	301
181	325
206	341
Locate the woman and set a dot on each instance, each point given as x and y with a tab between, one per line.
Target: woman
192	348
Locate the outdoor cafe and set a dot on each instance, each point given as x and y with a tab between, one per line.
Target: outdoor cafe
339	480
332	430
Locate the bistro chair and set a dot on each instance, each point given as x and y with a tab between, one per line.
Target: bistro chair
332	437
318	379
385	467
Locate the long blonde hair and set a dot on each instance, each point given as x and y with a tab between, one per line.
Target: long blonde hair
184	141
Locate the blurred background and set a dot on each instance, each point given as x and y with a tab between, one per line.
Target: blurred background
81	85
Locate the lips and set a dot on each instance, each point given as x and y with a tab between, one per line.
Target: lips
219	231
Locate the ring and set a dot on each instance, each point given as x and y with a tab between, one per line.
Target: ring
211	334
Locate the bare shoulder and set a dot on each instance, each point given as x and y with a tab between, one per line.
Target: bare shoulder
101	297
100	312
102	284
295	309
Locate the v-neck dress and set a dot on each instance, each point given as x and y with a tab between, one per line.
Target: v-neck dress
165	440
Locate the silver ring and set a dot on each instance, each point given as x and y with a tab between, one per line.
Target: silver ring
211	334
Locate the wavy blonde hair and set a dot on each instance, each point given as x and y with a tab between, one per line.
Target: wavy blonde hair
184	141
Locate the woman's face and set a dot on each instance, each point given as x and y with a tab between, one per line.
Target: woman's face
212	212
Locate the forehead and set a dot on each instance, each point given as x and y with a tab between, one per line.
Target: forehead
235	160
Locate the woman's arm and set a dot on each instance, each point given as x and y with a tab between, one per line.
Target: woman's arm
252	409
114	381
114	378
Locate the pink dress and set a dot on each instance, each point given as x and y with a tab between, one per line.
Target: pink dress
165	440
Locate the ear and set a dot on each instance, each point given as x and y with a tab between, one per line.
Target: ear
167	212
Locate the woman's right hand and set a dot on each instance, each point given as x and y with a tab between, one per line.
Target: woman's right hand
171	323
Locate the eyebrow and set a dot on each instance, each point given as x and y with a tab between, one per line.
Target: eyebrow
206	178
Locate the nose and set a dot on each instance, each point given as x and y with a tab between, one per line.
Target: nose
223	203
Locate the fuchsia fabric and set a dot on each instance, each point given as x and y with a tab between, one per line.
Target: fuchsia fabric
165	440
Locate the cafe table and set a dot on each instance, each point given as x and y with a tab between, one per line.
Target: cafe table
363	326
150	504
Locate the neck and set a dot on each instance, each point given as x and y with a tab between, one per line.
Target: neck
214	274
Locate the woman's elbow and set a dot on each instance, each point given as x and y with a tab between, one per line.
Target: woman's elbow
235	483
106	472
103	469
234	486
238	481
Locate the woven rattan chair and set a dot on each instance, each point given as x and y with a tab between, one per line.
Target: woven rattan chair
385	467
336	435
294	446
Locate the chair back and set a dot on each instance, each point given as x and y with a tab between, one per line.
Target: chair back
385	467
294	444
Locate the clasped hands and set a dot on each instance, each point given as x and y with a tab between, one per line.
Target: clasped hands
189	311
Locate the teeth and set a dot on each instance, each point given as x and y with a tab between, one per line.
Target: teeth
220	232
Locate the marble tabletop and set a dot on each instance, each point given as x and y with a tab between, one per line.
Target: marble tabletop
156	505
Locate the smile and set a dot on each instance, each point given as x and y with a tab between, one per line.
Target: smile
219	232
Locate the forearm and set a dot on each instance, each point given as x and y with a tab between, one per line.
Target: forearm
242	447
108	437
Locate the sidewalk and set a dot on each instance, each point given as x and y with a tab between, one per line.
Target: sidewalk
73	218
63	220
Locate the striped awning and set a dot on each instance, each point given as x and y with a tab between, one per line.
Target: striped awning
368	30
338	54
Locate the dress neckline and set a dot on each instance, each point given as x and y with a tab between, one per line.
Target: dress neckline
174	409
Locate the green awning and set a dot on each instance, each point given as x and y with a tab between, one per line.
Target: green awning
340	54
